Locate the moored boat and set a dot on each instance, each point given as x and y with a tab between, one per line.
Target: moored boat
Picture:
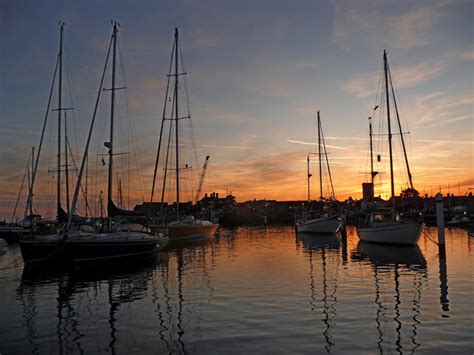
400	232
382	227
325	219
191	228
187	227
75	244
320	225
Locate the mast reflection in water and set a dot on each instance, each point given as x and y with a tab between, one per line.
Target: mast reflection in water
249	290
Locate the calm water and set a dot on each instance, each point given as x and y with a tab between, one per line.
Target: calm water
250	290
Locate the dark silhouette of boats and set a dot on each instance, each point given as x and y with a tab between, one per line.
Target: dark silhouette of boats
78	245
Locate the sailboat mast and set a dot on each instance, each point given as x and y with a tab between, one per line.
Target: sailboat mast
86	148
387	96
176	117
111	139
66	171
58	193
309	181
31	182
371	159
163	119
319	159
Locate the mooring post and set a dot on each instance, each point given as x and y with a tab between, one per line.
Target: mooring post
440	223
440	217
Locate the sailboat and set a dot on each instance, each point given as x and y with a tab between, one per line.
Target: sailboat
385	227
319	221
39	246
78	245
187	227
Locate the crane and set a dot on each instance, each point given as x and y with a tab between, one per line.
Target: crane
203	174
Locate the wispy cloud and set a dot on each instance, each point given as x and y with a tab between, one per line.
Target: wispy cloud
346	138
468	55
414	29
440	108
355	21
406	76
225	146
202	38
444	141
312	143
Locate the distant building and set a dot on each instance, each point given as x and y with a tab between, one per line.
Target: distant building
150	208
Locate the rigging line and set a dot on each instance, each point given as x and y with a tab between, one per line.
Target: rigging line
71	97
76	170
131	123
167	157
377	97
428	235
161	129
183	68
33	176
400	129
86	149
21	187
188	107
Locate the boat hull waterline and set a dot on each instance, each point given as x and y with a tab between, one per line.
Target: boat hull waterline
320	225
396	233
184	231
88	248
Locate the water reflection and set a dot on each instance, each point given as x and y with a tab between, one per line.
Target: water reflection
397	263
174	308
124	284
443	278
249	289
322	247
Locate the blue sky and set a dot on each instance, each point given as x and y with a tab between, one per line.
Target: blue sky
257	73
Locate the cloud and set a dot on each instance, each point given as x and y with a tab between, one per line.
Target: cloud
346	138
438	109
414	29
201	38
153	85
375	23
406	76
444	141
469	55
312	143
225	146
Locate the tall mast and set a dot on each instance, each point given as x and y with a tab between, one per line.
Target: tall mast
31	181
387	96
66	171
111	138
58	193
86	148
163	119
309	182
372	176
176	117
319	159
86	189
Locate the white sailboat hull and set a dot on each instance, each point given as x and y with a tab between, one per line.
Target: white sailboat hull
406	233
319	225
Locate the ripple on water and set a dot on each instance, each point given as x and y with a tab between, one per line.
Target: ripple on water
250	290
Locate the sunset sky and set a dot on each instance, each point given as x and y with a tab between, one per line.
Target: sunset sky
257	73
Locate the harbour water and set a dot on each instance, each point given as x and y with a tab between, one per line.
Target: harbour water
250	290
